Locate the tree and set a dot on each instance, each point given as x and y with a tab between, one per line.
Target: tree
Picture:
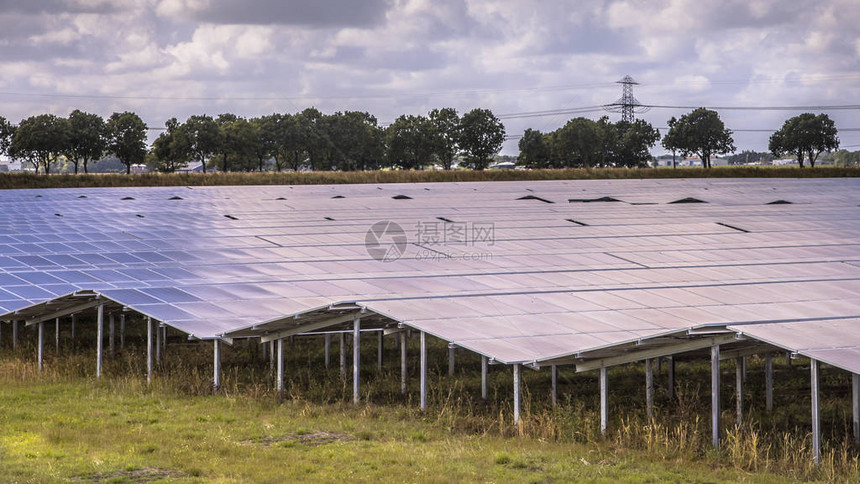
126	135
700	132
86	139
580	143
7	131
172	148
203	137
805	135
411	142
40	140
447	124
356	141
534	152
237	146
633	143
481	137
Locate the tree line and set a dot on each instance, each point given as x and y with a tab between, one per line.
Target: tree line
353	140
308	140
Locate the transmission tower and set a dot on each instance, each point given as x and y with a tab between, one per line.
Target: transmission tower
627	105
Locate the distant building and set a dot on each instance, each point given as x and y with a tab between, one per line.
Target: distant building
139	168
785	162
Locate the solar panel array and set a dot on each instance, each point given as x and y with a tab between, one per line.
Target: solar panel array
516	271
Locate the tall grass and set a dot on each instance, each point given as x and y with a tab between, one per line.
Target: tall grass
776	442
30	180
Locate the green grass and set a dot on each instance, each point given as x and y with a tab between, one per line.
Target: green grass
29	180
63	425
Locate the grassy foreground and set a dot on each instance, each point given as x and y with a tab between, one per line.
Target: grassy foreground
30	180
86	431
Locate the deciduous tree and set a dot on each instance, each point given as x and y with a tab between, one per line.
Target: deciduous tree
87	140
481	137
700	132
126	138
805	136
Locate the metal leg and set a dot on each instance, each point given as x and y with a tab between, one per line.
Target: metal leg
216	373
271	352
404	370
553	370
342	337
739	389
855	404
484	370
356	359
122	331
604	400
516	394
379	352
41	345
14	335
57	335
768	381
670	376
149	356
649	388
816	415
111	333
423	372
451	356
327	347
280	358
715	395
100	343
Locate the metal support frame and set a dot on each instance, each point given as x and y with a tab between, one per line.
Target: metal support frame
327	349
379	352
604	399
855	404
404	369
649	388
271	352
100	323
14	336
57	336
484	377
715	396
122	331
356	359
634	356
739	389
149	361
216	370
517	377
423	372
280	382
768	381
816	412
342	338
553	371
451	357
111	334
670	378
39	352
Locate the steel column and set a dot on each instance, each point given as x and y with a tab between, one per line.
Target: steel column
342	356
57	335
816	413
484	380
517	394
604	400
768	381
216	370
149	362
451	356
670	377
715	395
423	371
327	348
356	359
404	369
649	388
122	331
379	352
100	322
855	404
14	335
280	358
111	333
553	371
39	351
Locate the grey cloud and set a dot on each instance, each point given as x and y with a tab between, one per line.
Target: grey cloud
332	13
35	7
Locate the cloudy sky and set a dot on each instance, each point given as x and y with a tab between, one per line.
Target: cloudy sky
165	58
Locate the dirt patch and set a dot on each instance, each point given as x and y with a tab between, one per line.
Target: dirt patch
310	439
148	474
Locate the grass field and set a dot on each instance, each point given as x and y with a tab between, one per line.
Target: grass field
29	180
63	425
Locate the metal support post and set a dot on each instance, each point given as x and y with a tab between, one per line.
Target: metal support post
111	334
379	352
280	358
553	371
649	388
451	356
149	356
855	404
816	413
41	345
670	377
356	359
327	348
768	381
216	370
517	394
100	322
715	396
739	389
404	370
342	337
423	372
484	380
604	400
